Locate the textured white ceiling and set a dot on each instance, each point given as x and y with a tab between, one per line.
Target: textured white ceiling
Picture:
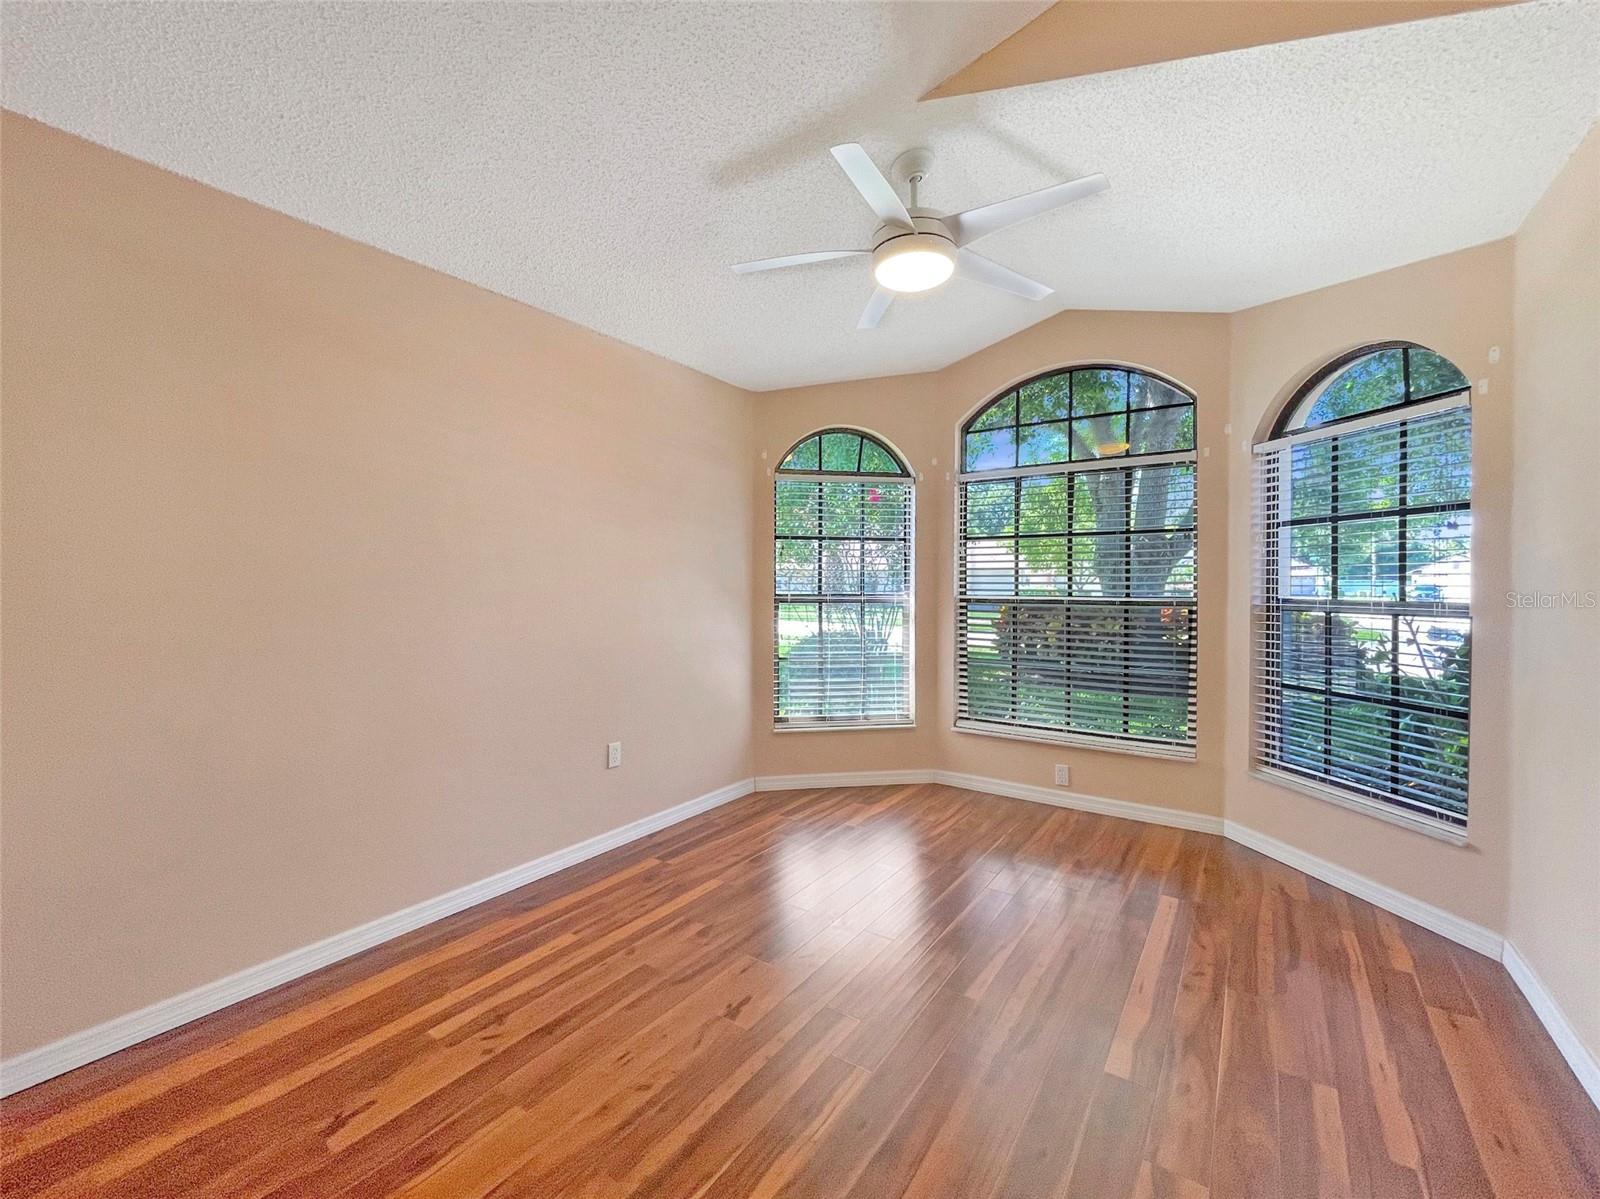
608	162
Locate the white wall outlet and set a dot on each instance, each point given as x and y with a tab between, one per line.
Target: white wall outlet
613	754
1061	775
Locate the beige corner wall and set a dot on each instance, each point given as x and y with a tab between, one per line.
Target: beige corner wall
327	579
1555	651
1241	367
921	416
1459	305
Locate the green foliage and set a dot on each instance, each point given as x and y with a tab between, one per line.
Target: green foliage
1044	399
1434	375
1099	391
1074	416
804	456
840	451
1378	380
875	460
1375	381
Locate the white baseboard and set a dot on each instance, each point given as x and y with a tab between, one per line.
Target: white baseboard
1583	1062
1446	924
81	1048
847	778
1057	797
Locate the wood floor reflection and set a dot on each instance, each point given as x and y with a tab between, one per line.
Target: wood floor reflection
894	991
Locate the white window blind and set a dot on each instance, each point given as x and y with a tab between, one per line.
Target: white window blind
1362	604
1075	576
843	575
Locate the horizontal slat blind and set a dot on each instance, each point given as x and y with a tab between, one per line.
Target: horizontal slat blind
1076	604
842	601
1361	612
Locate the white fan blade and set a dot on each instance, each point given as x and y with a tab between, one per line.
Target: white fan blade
876	307
874	188
986	270
974	223
772	264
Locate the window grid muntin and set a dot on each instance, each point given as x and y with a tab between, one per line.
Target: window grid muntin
1279	611
1135	662
1297	410
900	469
1016	425
821	598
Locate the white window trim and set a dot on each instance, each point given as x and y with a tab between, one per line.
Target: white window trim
1170	751
1415	821
1372	420
851	726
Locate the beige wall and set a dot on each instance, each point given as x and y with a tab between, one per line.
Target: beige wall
921	415
1555	652
1459	305
327	579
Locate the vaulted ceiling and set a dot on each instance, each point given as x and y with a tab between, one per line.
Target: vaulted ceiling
608	162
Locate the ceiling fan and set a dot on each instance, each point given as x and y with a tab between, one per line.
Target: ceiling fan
917	249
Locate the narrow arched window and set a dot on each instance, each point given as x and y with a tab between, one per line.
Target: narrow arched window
1076	570
1362	605
842	531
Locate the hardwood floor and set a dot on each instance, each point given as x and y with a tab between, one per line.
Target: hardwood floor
896	991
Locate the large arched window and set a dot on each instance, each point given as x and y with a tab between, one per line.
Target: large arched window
841	606
1076	568
1363	627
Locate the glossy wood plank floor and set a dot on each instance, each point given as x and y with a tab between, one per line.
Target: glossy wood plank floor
910	991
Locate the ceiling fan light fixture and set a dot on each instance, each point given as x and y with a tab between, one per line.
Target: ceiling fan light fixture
913	262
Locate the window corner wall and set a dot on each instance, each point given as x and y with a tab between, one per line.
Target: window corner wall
1527	868
886	409
1361	607
922	415
1459	306
1241	368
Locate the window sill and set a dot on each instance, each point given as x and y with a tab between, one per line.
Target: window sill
844	727
1356	803
1173	753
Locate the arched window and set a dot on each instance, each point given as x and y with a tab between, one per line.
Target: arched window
1363	627
1076	568
841	606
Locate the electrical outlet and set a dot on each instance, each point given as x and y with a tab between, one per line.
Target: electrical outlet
1061	775
613	755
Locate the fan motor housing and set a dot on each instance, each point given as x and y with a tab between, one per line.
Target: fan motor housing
923	221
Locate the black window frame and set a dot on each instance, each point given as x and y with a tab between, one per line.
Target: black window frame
1184	611
900	474
1275	609
1292	419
